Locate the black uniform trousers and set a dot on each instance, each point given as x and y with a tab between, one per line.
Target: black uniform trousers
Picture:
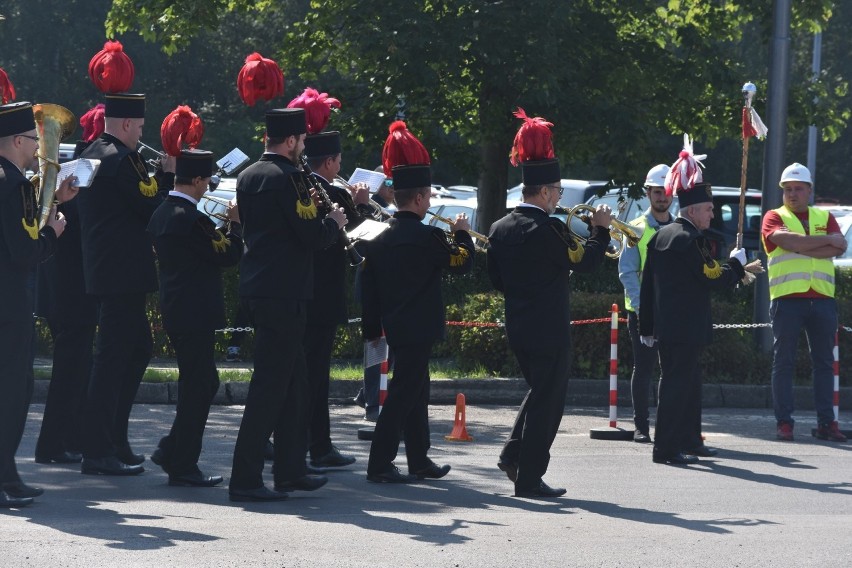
16	383
277	395
678	426
62	425
406	408
319	343
546	372
122	352
644	360
198	382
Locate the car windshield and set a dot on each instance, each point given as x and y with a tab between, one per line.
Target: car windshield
727	216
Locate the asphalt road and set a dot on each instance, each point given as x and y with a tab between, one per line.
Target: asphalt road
759	503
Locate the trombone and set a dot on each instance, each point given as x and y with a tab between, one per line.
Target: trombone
213	205
478	236
622	233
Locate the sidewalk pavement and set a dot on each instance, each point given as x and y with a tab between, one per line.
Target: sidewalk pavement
760	502
511	391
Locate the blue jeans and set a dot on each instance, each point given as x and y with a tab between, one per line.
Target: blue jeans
818	316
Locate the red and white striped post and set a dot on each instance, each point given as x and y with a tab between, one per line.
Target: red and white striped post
383	383
836	368
613	368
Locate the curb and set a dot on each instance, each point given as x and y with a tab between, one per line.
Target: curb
581	392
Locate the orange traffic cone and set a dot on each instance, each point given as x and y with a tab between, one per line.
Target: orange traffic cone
459	433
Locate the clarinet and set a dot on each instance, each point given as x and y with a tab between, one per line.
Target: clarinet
355	257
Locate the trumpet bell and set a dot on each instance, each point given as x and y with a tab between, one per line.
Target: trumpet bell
621	234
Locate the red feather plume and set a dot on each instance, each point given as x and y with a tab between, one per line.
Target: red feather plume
93	122
259	78
7	89
111	69
181	126
402	148
317	108
534	140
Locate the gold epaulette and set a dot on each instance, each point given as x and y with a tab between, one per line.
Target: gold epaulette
31	228
459	258
712	270
575	250
305	206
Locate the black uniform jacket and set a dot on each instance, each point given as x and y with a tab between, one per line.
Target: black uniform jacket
22	245
191	253
528	261
330	264
402	279
117	254
677	279
281	229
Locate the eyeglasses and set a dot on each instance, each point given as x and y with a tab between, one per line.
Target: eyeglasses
558	188
33	138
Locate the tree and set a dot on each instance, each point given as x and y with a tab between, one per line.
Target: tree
620	83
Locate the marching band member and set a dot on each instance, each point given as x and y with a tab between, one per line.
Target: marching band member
402	295
282	228
530	258
22	246
191	253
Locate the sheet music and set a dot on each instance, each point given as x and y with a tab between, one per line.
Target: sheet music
370	177
367	230
84	168
375	352
233	160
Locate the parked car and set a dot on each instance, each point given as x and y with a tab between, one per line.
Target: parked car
843	214
574	191
723	227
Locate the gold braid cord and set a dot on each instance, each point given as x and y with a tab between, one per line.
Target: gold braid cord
305	206
712	269
147	185
29	221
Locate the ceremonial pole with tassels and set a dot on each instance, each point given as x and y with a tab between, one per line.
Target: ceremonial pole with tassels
752	126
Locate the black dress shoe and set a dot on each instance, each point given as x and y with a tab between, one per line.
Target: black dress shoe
304	483
60	457
20	490
159	458
314	470
434	471
259	494
510	469
333	459
195	479
126	455
674	459
392	475
9	502
541	490
108	466
641	437
268	451
702	451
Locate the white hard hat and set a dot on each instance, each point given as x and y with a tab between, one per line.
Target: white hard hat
657	176
796	172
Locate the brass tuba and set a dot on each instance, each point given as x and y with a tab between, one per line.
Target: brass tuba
54	123
622	233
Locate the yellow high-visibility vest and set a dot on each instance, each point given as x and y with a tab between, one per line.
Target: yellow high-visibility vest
794	273
642	247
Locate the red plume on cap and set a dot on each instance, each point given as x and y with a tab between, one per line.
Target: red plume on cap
93	122
181	126
7	89
111	70
686	171
534	140
259	78
402	148
317	108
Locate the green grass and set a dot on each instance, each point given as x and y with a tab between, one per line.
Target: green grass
341	372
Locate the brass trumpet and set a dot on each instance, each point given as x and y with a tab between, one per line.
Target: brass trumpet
152	162
376	211
478	236
212	207
622	233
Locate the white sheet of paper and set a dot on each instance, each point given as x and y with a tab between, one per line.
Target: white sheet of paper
234	160
375	352
84	168
370	177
